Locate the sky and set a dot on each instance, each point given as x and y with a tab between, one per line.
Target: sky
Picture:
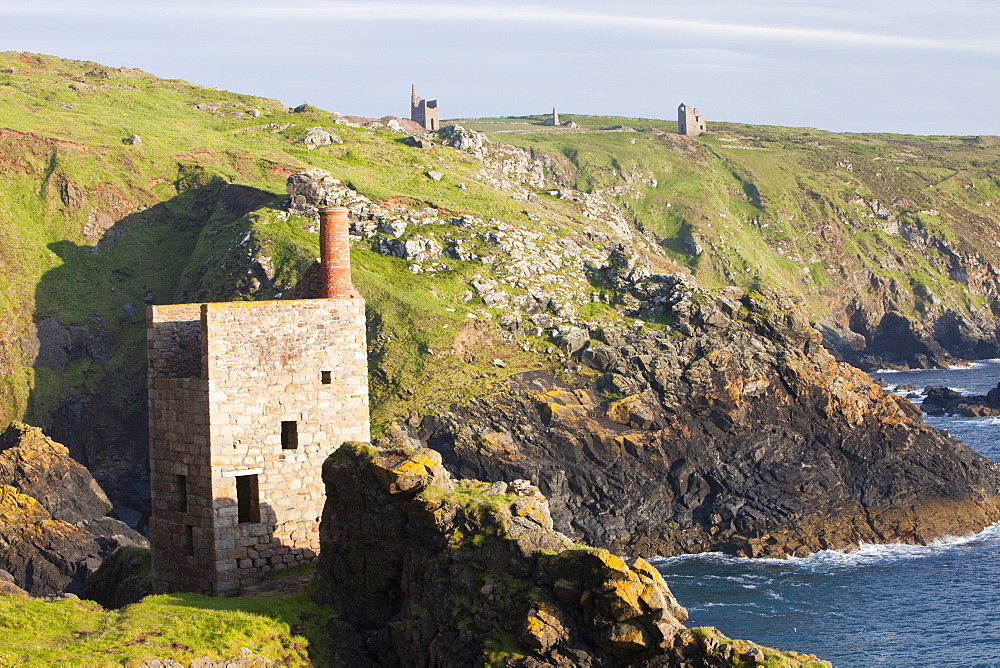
907	66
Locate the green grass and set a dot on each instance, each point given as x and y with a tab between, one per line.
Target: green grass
168	243
756	196
288	629
782	209
502	647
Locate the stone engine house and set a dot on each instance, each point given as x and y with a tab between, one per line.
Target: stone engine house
424	111
689	121
246	400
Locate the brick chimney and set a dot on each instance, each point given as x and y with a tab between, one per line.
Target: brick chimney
335	253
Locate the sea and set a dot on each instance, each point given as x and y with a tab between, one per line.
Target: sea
882	605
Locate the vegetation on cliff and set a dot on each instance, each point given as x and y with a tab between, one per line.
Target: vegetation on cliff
872	229
95	228
423	569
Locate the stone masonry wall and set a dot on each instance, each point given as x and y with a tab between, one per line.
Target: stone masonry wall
178	446
265	363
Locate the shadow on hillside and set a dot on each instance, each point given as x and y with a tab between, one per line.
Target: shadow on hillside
87	340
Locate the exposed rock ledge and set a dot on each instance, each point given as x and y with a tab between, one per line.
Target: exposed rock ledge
429	571
733	431
53	531
946	401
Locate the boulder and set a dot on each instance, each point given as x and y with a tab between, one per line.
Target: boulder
458	137
314	188
422	140
416	249
571	339
309	190
316	137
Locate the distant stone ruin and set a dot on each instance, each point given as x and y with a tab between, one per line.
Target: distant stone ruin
424	111
689	121
246	401
555	121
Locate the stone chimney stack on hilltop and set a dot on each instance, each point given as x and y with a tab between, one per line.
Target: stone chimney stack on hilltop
335	253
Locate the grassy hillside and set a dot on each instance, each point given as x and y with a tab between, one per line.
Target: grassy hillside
289	629
94	226
799	207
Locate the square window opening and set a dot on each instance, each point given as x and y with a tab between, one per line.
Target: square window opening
247	499
289	435
326	377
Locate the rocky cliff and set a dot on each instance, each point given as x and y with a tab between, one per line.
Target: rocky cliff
425	570
891	239
732	430
53	528
481	261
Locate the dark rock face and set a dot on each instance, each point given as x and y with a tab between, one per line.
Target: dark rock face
737	431
946	401
39	467
429	571
895	341
53	531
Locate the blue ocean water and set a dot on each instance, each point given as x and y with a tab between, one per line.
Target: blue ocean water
884	605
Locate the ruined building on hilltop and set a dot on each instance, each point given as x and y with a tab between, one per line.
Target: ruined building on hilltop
424	111
689	121
246	401
553	119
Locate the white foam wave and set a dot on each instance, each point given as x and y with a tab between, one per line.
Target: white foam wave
972	365
867	554
715	604
964	366
943	421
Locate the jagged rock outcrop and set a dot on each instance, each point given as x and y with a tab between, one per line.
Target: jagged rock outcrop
53	529
37	466
458	137
245	659
946	401
425	570
891	340
733	429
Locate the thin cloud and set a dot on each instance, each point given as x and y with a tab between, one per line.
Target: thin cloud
439	12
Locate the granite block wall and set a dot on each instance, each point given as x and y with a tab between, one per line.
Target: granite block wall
281	385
